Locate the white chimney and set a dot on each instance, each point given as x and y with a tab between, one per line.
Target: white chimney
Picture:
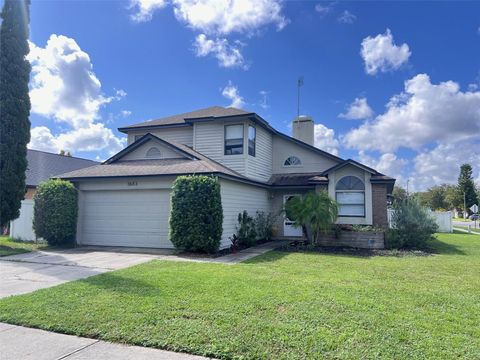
303	129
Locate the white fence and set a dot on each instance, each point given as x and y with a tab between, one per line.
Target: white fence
443	219
22	228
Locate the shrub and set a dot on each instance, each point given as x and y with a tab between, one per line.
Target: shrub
315	211
196	217
247	235
55	212
264	225
413	225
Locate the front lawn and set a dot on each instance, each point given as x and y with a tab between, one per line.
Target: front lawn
279	306
8	246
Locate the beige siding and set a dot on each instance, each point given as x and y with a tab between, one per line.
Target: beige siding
140	153
347	170
259	167
182	135
237	197
208	140
311	160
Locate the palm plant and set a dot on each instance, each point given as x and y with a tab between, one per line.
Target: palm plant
314	212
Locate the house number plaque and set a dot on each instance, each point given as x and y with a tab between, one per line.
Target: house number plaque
132	183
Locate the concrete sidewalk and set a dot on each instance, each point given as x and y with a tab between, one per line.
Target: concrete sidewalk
21	343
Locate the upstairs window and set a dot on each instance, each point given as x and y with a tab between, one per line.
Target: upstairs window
233	139
154	153
350	196
252	138
292	161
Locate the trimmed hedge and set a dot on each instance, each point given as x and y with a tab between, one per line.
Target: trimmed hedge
55	212
196	216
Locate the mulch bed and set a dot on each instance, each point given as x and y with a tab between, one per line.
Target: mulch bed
303	246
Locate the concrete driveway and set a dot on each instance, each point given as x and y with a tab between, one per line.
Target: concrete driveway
24	273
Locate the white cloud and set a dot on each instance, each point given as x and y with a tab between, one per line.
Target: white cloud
64	87
388	164
217	19
347	17
323	9
264	100
381	54
125	113
442	164
324	138
357	110
222	17
231	92
92	138
228	55
143	9
424	113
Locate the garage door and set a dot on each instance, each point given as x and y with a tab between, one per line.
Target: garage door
135	218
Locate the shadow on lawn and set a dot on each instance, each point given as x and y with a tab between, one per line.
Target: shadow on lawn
117	283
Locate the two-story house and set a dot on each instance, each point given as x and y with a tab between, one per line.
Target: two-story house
126	200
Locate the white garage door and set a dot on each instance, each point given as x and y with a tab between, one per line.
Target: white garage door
135	218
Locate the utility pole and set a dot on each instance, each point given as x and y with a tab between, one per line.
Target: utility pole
299	84
464	206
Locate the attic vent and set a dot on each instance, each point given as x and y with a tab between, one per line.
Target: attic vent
154	153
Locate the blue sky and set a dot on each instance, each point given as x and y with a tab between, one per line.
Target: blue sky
395	85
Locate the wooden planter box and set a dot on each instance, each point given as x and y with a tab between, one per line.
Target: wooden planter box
357	239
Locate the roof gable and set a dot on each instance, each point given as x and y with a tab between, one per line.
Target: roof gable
353	163
141	147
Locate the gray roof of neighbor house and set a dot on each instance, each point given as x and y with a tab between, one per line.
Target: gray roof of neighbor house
210	112
43	165
193	163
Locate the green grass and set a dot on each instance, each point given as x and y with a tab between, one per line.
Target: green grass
10	246
279	306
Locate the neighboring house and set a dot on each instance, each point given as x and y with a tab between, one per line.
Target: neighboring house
126	200
41	166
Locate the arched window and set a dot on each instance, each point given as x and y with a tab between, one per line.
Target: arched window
350	196
154	153
292	161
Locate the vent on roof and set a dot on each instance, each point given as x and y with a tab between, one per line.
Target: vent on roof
153	153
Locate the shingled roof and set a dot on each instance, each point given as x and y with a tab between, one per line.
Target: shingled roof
210	112
196	163
43	165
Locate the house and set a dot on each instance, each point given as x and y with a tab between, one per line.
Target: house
126	200
41	166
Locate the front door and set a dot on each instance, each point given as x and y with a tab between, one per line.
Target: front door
288	228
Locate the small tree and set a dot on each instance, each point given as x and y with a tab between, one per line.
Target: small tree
466	186
413	225
264	224
196	217
55	212
315	212
14	106
246	232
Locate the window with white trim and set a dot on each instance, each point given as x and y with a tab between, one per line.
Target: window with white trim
233	139
350	196
252	139
292	161
154	153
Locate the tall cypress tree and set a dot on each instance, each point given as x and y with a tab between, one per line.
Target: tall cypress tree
14	106
467	186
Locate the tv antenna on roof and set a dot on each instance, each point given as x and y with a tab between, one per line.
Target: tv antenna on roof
299	84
